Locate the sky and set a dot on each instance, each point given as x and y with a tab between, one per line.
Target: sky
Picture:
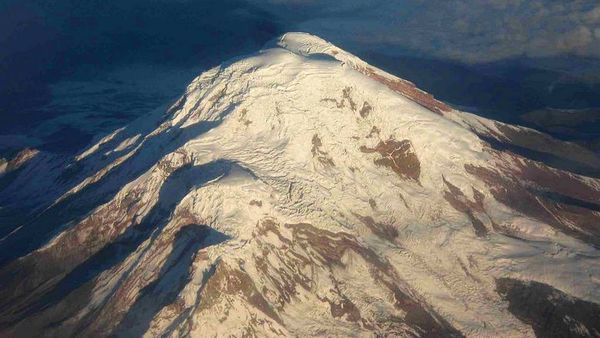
471	31
84	68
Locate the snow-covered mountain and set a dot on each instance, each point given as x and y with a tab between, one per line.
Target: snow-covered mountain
302	192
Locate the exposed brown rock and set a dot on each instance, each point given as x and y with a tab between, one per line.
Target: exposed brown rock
317	152
372	203
365	110
40	271
540	147
550	312
345	308
384	231
322	249
256	203
466	270
409	90
31	277
243	119
346	97
507	188
345	100
374	131
537	141
228	280
558	181
19	160
459	201
398	156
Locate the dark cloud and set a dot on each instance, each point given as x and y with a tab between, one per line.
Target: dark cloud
44	41
89	65
465	30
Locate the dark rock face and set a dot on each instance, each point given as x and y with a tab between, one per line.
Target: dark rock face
550	312
398	156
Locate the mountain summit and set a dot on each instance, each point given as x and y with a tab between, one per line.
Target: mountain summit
302	192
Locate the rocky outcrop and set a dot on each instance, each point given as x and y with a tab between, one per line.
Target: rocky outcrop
549	311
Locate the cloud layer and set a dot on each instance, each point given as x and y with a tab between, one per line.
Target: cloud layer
466	30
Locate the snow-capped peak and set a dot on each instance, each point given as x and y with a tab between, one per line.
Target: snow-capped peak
300	191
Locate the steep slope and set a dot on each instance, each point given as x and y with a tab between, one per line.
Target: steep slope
302	192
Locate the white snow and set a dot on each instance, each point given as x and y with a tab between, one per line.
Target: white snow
266	110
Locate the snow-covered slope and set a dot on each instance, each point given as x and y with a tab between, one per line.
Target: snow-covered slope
302	192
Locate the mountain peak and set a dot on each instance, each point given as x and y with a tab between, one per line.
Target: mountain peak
302	43
308	45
